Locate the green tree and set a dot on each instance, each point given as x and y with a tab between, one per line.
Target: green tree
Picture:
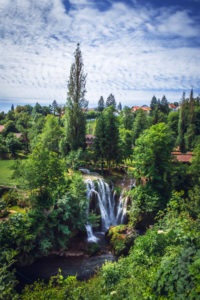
37	109
195	165
54	106
51	134
164	105
111	101
182	124
191	129
100	104
153	104
126	118
12	144
73	159
3	148
75	117
112	136
152	157
172	121
35	129
126	142
139	125
119	107
100	140
9	127
42	173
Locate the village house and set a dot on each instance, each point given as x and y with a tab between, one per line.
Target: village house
2	128
17	134
89	139
183	157
145	108
173	107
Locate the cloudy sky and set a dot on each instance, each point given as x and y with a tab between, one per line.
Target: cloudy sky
131	48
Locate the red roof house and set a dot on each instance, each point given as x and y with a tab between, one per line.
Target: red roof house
134	108
2	127
183	157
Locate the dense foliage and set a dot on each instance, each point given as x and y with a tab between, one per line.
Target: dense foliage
48	206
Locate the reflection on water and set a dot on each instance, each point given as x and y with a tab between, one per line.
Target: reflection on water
82	267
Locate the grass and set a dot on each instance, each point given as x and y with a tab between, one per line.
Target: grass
16	209
90	126
6	173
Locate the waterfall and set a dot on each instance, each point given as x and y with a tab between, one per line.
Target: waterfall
105	202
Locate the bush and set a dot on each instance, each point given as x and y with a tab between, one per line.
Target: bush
121	239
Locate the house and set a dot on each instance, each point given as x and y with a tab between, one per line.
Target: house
173	107
2	128
89	139
182	157
17	134
145	108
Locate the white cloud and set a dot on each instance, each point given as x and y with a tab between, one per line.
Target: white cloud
123	50
179	23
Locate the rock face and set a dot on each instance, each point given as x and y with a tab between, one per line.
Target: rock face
121	238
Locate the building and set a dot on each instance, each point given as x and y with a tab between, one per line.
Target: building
173	107
2	128
182	157
89	139
145	108
17	134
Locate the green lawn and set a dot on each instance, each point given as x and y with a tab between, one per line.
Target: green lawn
6	173
90	126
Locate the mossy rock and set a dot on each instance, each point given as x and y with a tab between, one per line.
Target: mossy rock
121	238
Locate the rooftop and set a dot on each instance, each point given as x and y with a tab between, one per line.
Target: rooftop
183	157
2	127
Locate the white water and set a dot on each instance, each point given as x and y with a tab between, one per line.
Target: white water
112	212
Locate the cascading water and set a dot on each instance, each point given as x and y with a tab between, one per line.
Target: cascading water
111	208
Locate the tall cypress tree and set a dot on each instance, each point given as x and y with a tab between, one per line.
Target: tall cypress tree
182	124
100	104
119	107
191	130
100	140
76	103
54	106
112	136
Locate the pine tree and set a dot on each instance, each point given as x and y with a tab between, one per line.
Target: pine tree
139	125
100	104
12	107
119	106
54	106
164	105
76	103
111	101
153	104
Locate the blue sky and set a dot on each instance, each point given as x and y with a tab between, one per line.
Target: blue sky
132	48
